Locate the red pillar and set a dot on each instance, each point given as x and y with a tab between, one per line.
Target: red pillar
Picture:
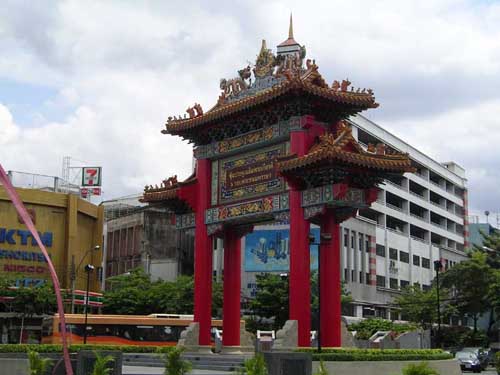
299	288
330	289
232	289
203	256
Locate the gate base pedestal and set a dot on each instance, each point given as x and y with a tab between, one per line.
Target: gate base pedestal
237	350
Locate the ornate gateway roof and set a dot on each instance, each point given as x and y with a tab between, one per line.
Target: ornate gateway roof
336	152
275	76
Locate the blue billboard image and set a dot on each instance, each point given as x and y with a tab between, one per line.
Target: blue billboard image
269	250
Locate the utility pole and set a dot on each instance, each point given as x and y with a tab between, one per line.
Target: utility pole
88	268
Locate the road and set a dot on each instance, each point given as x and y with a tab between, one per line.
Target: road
487	372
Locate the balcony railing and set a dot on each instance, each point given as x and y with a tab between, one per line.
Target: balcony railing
418	217
423	240
394	184
417	195
438	225
394	207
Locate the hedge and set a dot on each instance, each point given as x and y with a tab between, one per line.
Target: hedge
54	348
339	354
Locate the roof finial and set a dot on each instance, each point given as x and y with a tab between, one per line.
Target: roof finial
290	29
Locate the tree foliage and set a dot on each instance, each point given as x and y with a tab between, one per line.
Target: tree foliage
135	294
420	306
469	283
490	247
28	301
272	300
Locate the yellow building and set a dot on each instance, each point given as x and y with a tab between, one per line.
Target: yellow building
70	228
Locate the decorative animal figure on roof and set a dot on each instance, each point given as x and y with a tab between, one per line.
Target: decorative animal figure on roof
236	85
198	109
170	182
345	84
190	111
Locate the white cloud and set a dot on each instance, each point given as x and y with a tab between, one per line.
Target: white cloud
8	130
121	68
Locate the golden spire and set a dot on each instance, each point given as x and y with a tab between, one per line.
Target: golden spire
263	48
290	29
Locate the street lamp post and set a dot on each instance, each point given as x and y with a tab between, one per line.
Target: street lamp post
74	272
88	268
437	267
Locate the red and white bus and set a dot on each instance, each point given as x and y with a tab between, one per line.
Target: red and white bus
154	329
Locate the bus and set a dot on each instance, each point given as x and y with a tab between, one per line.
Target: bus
154	329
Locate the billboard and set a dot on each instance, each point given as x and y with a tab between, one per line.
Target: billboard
269	250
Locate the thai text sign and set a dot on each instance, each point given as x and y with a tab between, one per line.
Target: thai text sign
249	175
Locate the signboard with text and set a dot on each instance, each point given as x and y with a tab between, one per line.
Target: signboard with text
91	176
248	175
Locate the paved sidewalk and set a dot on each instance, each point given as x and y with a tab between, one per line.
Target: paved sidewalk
139	370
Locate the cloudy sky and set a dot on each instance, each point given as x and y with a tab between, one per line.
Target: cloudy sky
96	80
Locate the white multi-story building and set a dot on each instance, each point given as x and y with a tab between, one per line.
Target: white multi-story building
411	225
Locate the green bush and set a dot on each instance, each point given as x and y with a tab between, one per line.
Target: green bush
175	365
497	362
56	348
321	368
254	366
422	368
101	364
366	328
38	365
339	354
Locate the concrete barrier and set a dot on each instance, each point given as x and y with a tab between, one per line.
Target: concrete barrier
444	367
14	366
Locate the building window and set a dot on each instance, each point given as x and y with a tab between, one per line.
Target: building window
346	237
353	275
426	287
393	253
353	243
426	263
381	281
416	260
367	278
361	277
346	274
360	242
367	244
404	284
380	249
404	257
393	283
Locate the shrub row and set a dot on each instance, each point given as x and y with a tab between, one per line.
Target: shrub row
352	354
54	348
374	351
379	357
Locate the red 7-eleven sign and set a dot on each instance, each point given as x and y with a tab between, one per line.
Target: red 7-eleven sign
91	176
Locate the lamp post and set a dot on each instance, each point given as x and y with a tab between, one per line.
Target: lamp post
74	272
437	267
323	237
88	268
